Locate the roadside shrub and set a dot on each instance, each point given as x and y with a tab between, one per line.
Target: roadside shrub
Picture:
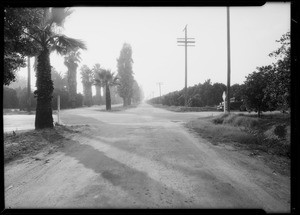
277	147
270	134
79	100
195	101
280	131
236	120
219	119
23	99
248	122
229	118
10	99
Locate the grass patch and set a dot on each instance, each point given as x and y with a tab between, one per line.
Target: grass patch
20	144
221	133
184	109
270	134
238	120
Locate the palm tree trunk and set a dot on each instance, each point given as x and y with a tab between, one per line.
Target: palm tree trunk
108	99
104	95
44	84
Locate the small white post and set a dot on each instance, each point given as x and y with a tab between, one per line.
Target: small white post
58	107
224	99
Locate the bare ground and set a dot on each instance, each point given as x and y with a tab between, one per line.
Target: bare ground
149	162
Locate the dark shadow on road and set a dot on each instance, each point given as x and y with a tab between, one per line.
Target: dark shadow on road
77	119
124	133
139	186
222	186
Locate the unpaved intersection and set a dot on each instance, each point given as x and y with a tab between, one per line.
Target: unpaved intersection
142	158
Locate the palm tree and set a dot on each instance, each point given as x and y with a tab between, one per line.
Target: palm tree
47	38
71	61
106	78
87	79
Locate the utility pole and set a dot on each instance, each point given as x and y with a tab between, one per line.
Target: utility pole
186	41
159	84
228	61
28	86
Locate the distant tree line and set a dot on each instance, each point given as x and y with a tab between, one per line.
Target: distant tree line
35	32
266	89
200	95
16	95
109	85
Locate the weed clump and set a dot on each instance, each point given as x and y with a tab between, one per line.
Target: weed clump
269	134
31	142
237	120
280	131
220	119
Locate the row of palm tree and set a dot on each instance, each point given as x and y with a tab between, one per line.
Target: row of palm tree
105	78
101	78
46	37
87	80
71	61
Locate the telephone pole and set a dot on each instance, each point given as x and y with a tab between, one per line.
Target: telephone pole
186	41
159	84
228	61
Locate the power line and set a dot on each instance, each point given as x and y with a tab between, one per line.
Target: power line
186	41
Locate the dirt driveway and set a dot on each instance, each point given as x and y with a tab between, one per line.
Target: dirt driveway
142	158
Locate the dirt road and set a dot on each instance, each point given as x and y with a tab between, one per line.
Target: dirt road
142	158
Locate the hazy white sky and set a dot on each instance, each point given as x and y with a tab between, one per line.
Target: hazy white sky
152	33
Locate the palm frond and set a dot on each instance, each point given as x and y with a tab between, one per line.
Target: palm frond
98	82
77	57
86	74
64	44
73	57
97	67
58	15
115	80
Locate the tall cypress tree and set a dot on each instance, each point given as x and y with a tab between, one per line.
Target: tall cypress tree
125	74
97	69
87	79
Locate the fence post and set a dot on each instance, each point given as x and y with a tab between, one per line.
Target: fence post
224	99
